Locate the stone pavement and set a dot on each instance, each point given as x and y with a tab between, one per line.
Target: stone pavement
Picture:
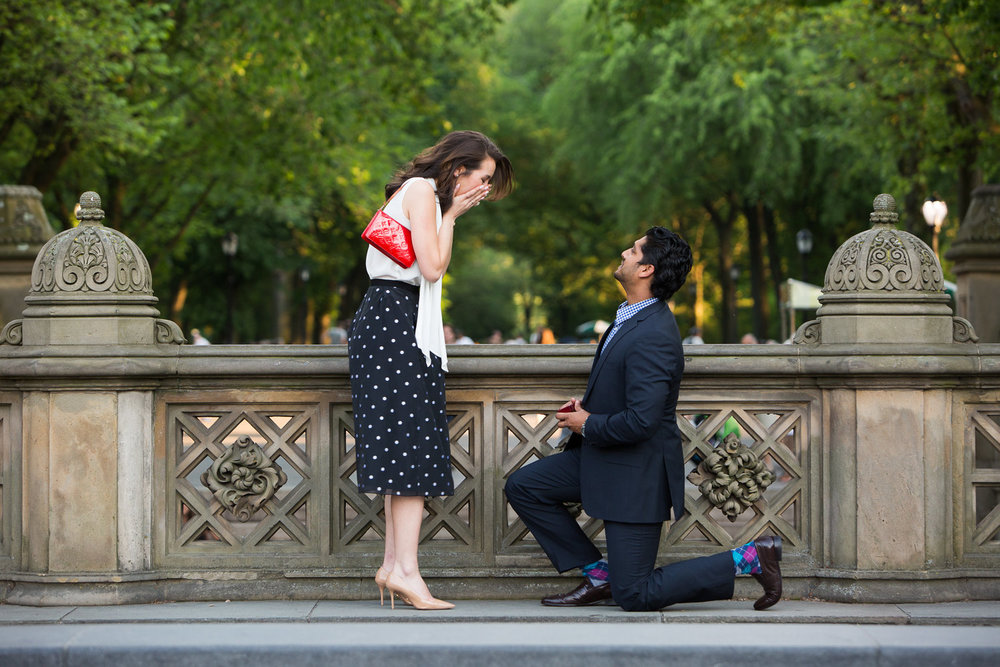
501	632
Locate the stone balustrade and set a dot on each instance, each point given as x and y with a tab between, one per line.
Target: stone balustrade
115	445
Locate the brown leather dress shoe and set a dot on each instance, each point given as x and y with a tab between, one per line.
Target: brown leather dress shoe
584	595
769	554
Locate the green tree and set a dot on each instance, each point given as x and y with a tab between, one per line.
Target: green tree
197	118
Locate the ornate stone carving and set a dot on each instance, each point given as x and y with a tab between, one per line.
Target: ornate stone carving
963	330
731	477
808	334
883	258
91	258
167	331
11	334
244	478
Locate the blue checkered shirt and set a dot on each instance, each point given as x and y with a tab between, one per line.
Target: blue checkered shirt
625	311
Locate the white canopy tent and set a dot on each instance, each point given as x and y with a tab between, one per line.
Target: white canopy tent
796	295
799	295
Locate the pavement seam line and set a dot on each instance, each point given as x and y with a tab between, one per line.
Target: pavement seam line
908	616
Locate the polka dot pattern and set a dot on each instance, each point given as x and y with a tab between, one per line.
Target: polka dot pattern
400	424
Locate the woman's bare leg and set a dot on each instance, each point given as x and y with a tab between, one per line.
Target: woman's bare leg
407	515
389	556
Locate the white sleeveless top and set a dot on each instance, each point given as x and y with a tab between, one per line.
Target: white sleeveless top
430	327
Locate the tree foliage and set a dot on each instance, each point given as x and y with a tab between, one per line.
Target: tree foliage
735	122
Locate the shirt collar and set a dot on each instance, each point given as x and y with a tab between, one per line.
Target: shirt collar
626	310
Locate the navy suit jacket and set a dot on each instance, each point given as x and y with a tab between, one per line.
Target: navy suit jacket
632	467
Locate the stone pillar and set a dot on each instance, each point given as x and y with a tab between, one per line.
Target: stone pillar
976	253
88	443
890	443
23	229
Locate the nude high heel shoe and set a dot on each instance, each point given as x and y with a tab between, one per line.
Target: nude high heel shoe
380	577
408	596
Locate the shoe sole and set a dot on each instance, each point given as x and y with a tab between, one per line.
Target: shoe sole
605	602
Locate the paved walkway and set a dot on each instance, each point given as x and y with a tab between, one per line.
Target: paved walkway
479	632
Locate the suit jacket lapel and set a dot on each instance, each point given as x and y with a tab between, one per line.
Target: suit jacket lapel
606	347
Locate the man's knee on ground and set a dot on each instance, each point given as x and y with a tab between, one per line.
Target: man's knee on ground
632	598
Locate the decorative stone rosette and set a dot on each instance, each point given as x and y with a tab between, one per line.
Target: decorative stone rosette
244	478
732	477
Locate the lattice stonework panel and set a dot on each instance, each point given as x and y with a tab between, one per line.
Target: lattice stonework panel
778	434
451	523
983	488
526	433
241	479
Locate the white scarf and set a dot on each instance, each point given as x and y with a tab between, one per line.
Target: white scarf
430	325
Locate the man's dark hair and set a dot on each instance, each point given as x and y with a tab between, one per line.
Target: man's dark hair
670	256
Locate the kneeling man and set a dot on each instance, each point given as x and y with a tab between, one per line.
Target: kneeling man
624	459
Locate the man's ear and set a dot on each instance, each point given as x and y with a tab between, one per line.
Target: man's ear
646	270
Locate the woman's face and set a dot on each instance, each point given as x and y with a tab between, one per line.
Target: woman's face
467	179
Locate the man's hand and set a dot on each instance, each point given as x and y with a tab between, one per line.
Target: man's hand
572	415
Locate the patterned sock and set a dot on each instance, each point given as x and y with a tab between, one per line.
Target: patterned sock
745	559
597	572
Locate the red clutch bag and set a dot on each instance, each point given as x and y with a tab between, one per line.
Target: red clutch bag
390	238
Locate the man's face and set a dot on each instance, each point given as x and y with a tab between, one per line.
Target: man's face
629	271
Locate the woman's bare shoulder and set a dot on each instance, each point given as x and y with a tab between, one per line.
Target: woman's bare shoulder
420	185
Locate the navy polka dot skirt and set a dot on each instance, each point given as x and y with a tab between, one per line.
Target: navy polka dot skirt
400	424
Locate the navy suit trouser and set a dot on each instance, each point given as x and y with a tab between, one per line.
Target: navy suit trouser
538	491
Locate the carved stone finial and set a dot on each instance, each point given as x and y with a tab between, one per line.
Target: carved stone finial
883	259
91	258
884	212
90	208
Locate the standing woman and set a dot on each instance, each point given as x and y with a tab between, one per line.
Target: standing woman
397	350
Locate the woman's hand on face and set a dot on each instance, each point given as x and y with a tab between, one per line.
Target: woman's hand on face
466	200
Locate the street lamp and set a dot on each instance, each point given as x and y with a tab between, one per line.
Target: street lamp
804	242
230	244
935	211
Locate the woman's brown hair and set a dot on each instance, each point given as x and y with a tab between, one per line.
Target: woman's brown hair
464	148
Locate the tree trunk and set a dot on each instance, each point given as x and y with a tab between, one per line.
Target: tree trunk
115	204
758	292
773	257
971	112
724	230
54	143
